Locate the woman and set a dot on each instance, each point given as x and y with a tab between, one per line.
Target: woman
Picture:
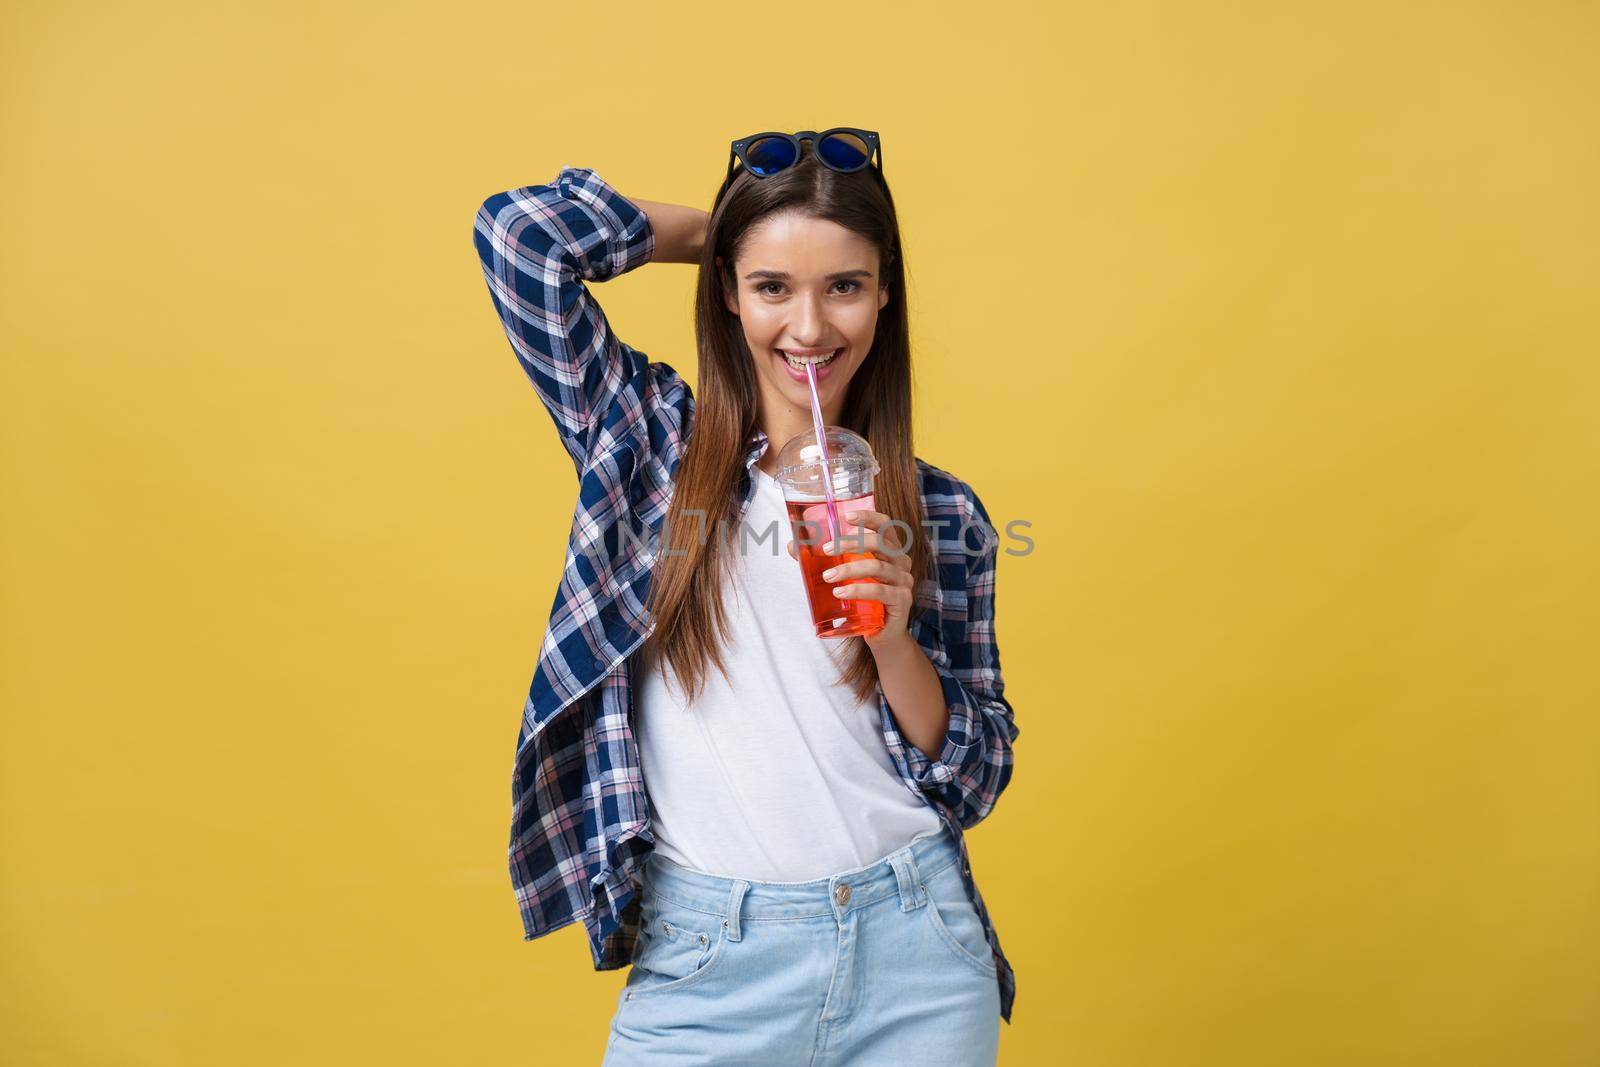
766	825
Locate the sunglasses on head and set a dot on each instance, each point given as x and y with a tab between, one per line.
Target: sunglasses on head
843	148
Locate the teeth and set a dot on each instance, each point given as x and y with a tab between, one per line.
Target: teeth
799	362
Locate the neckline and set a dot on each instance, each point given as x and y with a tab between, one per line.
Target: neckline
768	488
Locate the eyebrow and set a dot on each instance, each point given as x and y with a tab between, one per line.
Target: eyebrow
783	276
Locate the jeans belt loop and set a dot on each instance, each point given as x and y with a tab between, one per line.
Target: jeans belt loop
905	874
735	902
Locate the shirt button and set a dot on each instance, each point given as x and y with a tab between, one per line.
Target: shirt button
842	894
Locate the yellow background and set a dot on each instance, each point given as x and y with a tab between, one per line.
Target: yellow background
1278	322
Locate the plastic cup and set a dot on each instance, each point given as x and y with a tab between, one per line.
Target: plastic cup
850	469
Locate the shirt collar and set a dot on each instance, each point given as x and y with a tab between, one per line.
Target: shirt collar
755	447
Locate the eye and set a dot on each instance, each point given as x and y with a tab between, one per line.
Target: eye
854	285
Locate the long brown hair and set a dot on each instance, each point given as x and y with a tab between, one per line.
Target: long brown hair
686	589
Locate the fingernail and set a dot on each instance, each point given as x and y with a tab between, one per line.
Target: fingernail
856	516
831	548
839	591
828	574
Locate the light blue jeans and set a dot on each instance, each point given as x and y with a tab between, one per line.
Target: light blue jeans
883	964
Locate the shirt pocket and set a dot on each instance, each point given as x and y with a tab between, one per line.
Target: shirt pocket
649	488
635	556
952	590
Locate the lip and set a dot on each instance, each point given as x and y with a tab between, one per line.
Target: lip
800	375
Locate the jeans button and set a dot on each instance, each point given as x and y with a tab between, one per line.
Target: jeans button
842	894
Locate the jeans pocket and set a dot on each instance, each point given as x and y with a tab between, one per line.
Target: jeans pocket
952	914
678	947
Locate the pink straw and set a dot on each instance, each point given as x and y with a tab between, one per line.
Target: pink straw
822	446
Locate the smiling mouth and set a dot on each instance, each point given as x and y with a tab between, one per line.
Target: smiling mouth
799	362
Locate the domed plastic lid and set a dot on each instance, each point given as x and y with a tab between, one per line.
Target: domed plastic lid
850	461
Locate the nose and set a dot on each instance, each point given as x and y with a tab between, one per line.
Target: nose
808	327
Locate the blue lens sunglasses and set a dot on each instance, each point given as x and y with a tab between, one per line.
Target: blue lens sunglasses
843	148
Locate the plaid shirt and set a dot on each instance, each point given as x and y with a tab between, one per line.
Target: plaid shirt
580	825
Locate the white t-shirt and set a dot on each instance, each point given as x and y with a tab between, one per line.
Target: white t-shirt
776	773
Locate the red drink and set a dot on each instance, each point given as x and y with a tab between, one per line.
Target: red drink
833	616
813	475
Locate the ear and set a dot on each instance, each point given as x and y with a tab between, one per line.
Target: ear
725	283
883	296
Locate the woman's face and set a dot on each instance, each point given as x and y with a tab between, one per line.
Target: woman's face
806	289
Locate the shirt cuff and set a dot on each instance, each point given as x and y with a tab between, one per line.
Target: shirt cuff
621	236
965	730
